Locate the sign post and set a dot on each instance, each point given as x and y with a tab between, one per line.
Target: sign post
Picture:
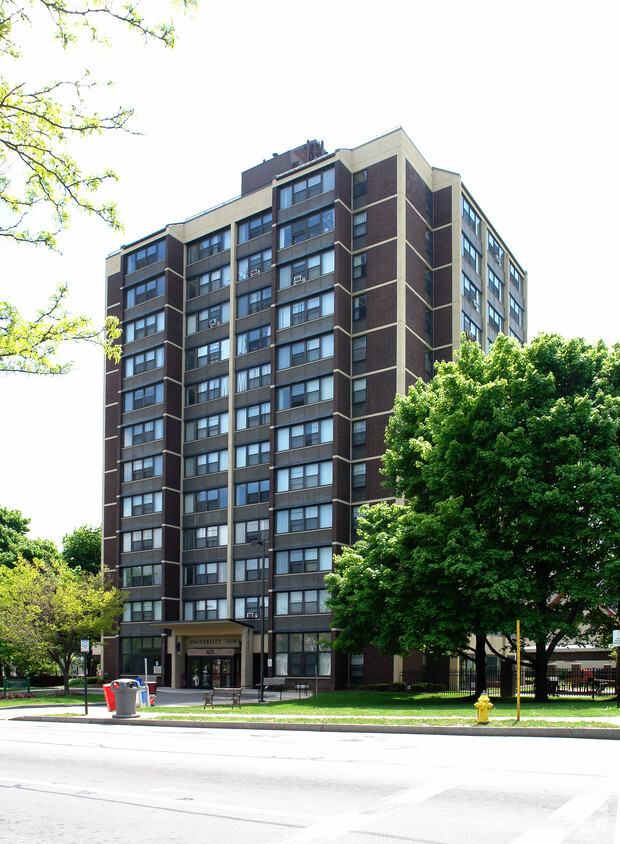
616	643
85	648
518	670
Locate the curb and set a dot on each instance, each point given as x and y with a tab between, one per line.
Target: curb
610	733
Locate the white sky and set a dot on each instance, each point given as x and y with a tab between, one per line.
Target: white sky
520	98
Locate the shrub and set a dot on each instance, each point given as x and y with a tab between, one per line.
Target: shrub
383	687
361	688
398	687
371	687
79	681
351	686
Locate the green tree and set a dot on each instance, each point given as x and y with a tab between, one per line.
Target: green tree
42	183
523	445
14	541
82	549
47	608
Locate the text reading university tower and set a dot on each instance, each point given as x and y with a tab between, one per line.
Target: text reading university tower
264	342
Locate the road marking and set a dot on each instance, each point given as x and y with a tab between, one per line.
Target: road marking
561	823
337	825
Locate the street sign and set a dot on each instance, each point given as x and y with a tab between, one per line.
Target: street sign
84	646
616	638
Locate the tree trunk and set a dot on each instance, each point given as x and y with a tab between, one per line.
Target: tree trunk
540	673
65	675
481	665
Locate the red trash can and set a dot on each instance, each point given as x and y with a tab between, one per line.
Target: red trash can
152	691
109	697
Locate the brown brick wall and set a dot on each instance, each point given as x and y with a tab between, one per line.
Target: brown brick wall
442	207
442	246
443	326
343	225
381	306
382	221
381	266
381	349
415	311
382	178
416	272
442	286
415	351
377	667
415	188
380	391
113	291
341	528
416	231
342	182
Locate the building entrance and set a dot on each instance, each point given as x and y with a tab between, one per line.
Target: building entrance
208	672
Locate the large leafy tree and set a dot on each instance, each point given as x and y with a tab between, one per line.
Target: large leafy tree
82	548
522	446
42	182
47	608
15	543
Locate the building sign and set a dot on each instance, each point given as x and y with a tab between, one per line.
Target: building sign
218	642
211	651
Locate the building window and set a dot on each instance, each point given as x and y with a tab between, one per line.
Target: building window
252	303
251	569
210	353
146	256
515	277
145	467
213	388
144	362
304	269
359	307
250	606
255	376
251	454
428	203
470	216
254	227
304	476
133	576
303	560
471	255
201	574
428	362
360	224
358	390
142	540
313	517
495	283
244	531
428	280
516	312
358	349
204	537
302	602
206	464
258	262
356	668
206	426
142	505
301	655
208	282
473	331
143	432
138	648
472	293
252	492
296	313
306	351
306	188
359	265
253	340
306	392
205	609
496	320
358	475
358	432
208	318
142	611
493	246
305	434
143	292
143	397
428	321
355	512
306	227
144	327
206	499
360	184
253	415
210	245
429	244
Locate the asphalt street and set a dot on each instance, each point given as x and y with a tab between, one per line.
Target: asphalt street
77	782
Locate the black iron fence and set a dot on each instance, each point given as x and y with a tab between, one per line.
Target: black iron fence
573	681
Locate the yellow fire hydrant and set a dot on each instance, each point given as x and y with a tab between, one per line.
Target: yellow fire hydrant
483	705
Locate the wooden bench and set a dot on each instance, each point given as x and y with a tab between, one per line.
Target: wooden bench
272	683
233	694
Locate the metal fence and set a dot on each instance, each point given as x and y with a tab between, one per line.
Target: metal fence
502	681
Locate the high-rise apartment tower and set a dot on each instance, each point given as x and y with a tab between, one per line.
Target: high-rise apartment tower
264	342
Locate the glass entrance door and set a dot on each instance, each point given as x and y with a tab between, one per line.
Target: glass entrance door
208	672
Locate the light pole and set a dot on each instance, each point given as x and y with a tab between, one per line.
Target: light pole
261	542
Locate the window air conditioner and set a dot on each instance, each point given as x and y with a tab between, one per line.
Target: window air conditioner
470	336
251	615
476	304
255	271
298	279
213	322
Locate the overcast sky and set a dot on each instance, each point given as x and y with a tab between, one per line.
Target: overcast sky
520	99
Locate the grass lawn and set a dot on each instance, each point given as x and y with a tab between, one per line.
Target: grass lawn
403	708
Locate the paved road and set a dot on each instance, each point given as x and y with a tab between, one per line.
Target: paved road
122	783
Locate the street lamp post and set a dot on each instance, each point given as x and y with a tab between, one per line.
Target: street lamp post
261	542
